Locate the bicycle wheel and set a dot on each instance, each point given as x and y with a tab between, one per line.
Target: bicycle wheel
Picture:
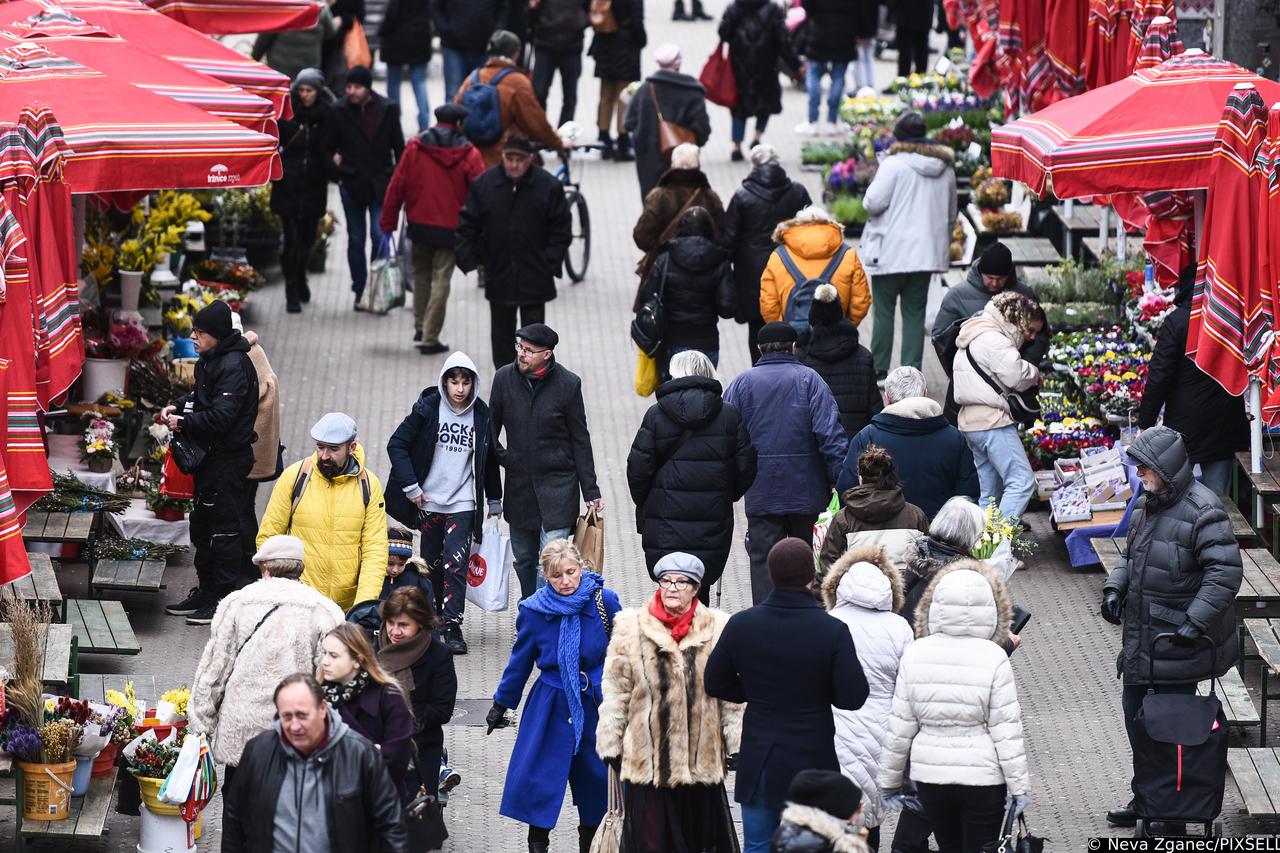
579	253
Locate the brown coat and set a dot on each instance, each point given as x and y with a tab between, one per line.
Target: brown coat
663	205
869	509
521	111
266	450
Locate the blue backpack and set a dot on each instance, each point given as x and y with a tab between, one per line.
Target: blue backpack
801	297
483	124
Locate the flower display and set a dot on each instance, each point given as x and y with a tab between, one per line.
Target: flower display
156	760
1108	367
98	441
851	176
179	698
125	700
999	528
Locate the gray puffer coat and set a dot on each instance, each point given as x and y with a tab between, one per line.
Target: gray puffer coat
1181	562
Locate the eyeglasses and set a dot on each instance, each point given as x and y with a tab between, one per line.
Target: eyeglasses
524	350
675	583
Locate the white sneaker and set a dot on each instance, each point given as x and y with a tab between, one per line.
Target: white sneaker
808	128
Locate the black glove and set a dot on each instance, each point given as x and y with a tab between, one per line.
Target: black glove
731	762
1112	606
497	718
1187	634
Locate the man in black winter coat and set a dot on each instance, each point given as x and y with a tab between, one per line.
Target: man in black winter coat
1179	575
218	416
831	348
558	27
789	687
464	27
516	225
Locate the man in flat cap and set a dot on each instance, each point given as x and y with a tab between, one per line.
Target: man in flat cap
334	504
431	183
218	416
516	225
794	424
547	455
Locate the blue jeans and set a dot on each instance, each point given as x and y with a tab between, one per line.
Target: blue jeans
813	82
759	822
1217	475
1003	470
740	126
526	545
358	231
418	81
457	65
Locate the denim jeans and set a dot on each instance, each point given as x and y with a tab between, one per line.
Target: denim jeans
362	223
813	82
1003	470
545	64
740	126
1217	475
759	822
457	65
526	545
864	67
418	82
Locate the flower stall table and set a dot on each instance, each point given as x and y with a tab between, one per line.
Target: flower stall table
94	687
41	586
1031	251
60	656
138	522
87	818
65	528
128	575
102	627
64	458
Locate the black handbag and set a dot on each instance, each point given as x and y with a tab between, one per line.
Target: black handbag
1024	406
646	328
1014	839
187	455
424	823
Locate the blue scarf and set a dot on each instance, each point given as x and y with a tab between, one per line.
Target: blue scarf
569	648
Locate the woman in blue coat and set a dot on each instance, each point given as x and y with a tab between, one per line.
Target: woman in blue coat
563	627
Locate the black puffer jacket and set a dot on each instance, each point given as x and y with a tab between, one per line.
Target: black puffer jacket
756	32
220	411
697	288
560	24
834	352
465	25
405	33
832	27
767	196
303	188
367	163
1181	563
684	493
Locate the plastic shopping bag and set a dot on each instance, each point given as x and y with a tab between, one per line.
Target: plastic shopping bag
821	525
489	570
177	785
646	374
385	289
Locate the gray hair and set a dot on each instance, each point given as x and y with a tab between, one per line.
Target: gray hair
691	362
289	570
959	523
763	153
903	382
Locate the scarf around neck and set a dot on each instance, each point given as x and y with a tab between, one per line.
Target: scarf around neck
569	647
398	658
340	694
678	625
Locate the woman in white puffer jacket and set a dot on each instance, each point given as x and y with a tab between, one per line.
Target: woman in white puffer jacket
864	590
956	713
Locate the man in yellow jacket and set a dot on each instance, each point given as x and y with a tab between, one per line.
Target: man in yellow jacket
811	242
335	506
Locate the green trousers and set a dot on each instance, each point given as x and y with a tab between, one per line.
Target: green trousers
913	289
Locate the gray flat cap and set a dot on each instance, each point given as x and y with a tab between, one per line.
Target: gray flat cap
334	428
680	563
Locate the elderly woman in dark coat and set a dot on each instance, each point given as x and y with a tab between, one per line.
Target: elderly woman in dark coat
756	32
682	187
767	196
690	462
617	57
682	101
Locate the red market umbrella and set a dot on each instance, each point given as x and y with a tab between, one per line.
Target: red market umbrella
1107	26
1065	47
1145	14
1160	42
1021	61
1153	131
1269	218
1231	323
230	17
13	551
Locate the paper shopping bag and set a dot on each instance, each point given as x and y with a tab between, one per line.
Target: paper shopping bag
588	537
489	570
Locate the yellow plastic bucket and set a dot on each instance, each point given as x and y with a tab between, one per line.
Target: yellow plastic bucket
150	788
46	790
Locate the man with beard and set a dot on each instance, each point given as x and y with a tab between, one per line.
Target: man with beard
335	506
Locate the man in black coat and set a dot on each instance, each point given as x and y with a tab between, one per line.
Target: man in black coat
365	141
464	27
516	225
789	687
1179	575
547	456
558	27
1212	421
218	416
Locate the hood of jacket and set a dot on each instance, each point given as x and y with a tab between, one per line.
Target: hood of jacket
864	577
832	341
234	342
354	465
696	254
458	359
990	320
809	239
443	143
840	836
691	401
914	408
875	505
337	731
925	158
1162	450
768	182
965	599
675	78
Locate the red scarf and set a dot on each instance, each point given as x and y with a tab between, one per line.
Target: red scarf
678	625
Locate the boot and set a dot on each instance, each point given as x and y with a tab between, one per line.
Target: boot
699	14
292	296
606	143
585	836
623	154
539	847
678	14
1123	816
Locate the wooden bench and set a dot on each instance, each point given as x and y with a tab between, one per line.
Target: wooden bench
88	817
61	658
41	585
1109	552
101	627
75	528
128	575
1257	774
1236	703
150	688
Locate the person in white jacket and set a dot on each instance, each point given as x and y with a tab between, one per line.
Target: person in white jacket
993	337
864	590
912	206
956	713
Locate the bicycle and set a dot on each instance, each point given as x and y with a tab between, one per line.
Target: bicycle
580	243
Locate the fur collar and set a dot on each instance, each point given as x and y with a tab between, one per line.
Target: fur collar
872	554
703	629
926	148
915	408
275	591
843	836
1004	608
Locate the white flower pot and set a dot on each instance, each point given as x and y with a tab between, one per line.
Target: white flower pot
130	289
101	375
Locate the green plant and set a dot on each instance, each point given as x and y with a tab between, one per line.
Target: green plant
157	499
1072	281
849	210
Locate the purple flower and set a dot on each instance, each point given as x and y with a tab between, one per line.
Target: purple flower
23	742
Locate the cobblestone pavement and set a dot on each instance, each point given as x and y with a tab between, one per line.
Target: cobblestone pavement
331	358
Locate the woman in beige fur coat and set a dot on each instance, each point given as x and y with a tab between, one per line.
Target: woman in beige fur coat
271	628
659	730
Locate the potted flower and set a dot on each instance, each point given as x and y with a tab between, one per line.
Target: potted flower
133	259
165	507
98	446
118	724
108	349
87	736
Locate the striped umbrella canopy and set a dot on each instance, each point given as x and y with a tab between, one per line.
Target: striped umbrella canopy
71	36
1065	46
1152	131
1106	28
1145	14
125	138
229	17
144	27
1269	248
1160	42
1231	323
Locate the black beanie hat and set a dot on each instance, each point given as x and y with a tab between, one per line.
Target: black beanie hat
361	76
910	125
828	790
791	564
996	260
215	319
776	332
451	113
825	309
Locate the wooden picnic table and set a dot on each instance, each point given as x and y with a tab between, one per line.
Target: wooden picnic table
1265	482
1032	251
65	527
101	627
149	688
128	575
60	656
41	585
1257	774
1083	218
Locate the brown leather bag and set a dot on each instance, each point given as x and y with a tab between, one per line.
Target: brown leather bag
601	17
670	134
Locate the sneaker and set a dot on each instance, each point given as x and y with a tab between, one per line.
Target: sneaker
451	633
304	292
355	306
808	128
204	615
194	601
417	336
433	349
449	779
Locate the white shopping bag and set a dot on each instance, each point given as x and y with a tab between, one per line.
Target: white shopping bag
177	785
489	570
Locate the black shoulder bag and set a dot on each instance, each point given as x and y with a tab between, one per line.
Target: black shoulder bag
1024	406
647	327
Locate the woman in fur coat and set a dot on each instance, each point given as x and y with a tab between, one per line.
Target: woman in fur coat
653	685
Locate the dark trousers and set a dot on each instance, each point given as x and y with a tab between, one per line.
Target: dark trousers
1131	703
913	49
223	526
912	833
765	531
299	237
964	817
502	328
446	548
545	64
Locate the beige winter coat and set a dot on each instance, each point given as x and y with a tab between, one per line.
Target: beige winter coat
231	694
266	449
656	713
994	342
